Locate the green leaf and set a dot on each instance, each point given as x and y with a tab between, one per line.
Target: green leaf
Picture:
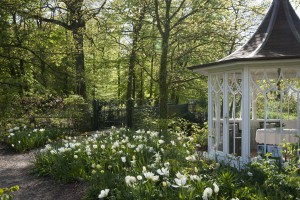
14	188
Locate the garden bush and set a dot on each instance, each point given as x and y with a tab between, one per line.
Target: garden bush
148	120
42	111
191	129
145	118
277	181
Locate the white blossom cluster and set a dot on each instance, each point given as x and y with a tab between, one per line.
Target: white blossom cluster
127	153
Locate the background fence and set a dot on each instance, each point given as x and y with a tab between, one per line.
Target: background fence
113	113
77	116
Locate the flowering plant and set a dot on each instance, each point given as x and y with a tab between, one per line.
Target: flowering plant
23	139
145	165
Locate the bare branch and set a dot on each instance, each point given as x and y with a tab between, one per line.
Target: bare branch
157	17
178	9
187	15
149	74
184	17
54	21
186	80
97	10
38	57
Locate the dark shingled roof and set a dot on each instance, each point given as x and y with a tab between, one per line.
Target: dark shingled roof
278	37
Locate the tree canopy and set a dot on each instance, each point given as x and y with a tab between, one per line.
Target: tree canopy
134	50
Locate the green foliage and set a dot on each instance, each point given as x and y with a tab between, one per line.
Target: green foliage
191	129
145	118
33	110
6	193
46	111
290	154
77	112
34	69
227	180
273	180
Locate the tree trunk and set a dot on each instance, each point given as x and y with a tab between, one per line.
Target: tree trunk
163	75
79	62
141	92
119	80
151	75
130	102
152	60
134	84
43	68
131	72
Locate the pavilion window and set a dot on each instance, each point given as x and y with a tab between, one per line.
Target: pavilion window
217	113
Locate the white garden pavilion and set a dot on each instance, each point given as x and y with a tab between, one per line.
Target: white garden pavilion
254	93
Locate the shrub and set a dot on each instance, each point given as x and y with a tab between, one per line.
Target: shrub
191	129
145	118
76	110
46	110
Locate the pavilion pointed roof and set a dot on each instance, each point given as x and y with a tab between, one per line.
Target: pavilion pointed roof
277	37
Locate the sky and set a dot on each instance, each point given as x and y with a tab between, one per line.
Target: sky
292	2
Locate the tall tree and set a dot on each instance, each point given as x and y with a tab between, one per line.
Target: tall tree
169	16
72	17
137	23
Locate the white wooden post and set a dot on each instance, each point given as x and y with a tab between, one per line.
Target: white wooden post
281	115
217	111
298	112
254	104
265	121
225	115
210	114
246	116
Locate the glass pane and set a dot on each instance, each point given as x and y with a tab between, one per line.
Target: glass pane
235	112
217	107
275	108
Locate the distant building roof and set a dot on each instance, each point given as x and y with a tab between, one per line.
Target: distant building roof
277	37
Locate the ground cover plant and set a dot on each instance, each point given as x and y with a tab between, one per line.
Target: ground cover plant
7	193
123	164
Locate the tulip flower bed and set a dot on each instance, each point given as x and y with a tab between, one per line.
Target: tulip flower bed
121	164
25	139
